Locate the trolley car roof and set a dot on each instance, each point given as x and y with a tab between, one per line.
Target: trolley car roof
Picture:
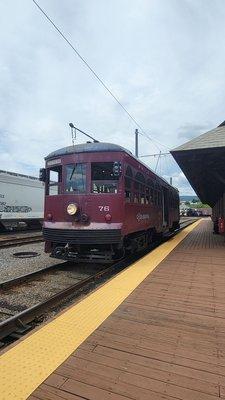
87	148
203	162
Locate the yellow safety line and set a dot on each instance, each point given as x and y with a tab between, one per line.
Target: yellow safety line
25	366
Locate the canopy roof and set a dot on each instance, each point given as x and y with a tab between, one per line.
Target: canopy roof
203	162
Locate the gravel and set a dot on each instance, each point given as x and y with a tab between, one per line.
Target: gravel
25	295
11	267
41	287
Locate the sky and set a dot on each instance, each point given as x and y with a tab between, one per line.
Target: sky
163	59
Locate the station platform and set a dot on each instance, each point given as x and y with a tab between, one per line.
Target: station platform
156	331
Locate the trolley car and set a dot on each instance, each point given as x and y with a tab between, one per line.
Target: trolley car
102	202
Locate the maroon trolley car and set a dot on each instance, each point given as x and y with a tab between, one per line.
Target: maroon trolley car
101	201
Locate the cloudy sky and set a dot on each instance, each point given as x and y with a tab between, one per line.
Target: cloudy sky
163	59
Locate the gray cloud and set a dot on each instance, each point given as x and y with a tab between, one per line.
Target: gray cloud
190	131
163	59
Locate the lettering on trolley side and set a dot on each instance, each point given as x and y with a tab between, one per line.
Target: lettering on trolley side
142	217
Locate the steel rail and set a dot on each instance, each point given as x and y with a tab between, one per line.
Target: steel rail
26	277
20	241
18	323
21	319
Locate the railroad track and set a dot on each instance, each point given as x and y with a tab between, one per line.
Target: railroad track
84	280
16	325
20	239
27	277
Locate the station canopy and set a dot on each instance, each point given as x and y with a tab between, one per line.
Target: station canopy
202	160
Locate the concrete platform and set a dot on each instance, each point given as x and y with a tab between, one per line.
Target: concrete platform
165	340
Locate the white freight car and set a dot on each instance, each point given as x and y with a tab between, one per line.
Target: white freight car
21	198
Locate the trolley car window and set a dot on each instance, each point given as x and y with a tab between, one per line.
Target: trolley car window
140	177
104	180
147	195
128	184
139	188
150	185
76	178
54	181
129	172
142	198
128	187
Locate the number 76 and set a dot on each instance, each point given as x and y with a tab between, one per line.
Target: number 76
103	208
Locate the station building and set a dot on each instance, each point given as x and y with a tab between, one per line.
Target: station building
202	161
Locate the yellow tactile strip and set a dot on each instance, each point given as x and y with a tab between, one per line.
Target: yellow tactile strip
25	366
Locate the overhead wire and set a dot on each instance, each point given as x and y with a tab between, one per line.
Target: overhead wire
163	145
143	133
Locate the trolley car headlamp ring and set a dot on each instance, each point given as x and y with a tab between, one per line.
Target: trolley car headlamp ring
72	209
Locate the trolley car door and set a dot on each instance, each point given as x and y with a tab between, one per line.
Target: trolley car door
165	207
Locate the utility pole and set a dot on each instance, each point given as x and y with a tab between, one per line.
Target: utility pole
171	181
136	143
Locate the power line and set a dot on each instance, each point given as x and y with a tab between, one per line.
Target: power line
96	75
148	137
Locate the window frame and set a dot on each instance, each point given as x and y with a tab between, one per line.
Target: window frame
116	180
58	184
128	189
139	185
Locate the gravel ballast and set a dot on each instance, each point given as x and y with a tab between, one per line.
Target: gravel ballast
12	267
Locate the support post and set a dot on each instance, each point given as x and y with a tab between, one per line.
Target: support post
136	143
157	161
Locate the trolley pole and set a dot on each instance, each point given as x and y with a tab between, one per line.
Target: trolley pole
73	132
136	143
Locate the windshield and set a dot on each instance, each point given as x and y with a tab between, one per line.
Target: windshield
104	178
76	178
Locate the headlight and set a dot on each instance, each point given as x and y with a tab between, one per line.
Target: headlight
72	209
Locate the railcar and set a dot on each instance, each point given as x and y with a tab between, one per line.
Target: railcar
101	202
21	200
